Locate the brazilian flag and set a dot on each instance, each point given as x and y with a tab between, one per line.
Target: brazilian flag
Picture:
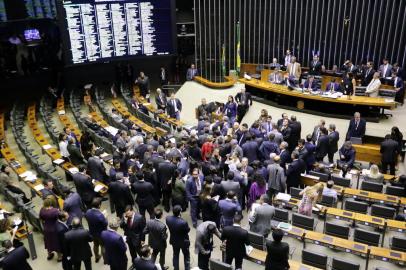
238	49
223	60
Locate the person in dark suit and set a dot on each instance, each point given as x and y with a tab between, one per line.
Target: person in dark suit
244	101
120	195
158	235
165	173
96	169
73	205
143	83
333	86
322	146
61	228
179	237
160	100
191	72
133	225
333	138
295	132
293	177
399	87
357	127
235	239
15	258
389	154
367	73
144	192
277	257
97	223
115	248
77	244
315	66
163	76
385	69
174	107
250	149
347	155
310	85
284	155
311	151
144	262
194	185
74	153
286	130
229	207
204	243
84	186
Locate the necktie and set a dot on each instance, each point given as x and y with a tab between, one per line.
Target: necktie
384	71
129	222
332	87
356	124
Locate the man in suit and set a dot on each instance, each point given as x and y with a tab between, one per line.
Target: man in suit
202	109
349	67
49	190
144	195
399	87
262	216
286	130
311	150
77	243
322	145
174	107
294	70
276	76
61	229
250	149
235	239
74	153
301	149
133	225
84	186
194	186
244	101
158	235
228	208
204	243
96	168
280	121
277	257
165	172
385	70
389	154
229	184
179	237
288	58
356	127
367	73
163	76
144	262
15	258
309	85
315	66
372	89
333	138
143	83
295	132
277	178
284	154
120	195
115	248
160	100
275	65
293	177
333	86
269	146
97	222
191	72
73	205
399	70
347	155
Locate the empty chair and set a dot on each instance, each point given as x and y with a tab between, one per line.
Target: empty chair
371	186
383	211
339	264
341	181
366	237
256	240
303	221
219	265
294	192
281	215
314	259
396	191
359	207
324	177
337	230
328	201
398	243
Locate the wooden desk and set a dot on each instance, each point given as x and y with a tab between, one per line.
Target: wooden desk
60	107
372	196
368	152
386	254
229	82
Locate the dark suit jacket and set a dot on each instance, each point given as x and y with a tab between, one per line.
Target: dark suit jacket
16	260
61	229
179	230
144	191
135	233
74	155
293	172
349	156
389	151
97	222
367	76
171	109
285	158
96	169
248	99
315	68
157	234
115	249
286	133
333	139
161	101
322	146
353	131
77	244
165	172
144	264
330	86
84	187
236	238
120	194
295	132
277	257
250	150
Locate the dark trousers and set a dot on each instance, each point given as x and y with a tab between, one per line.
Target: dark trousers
391	165
66	264
87	262
119	211
194	209
241	111
203	261
186	256
97	246
238	261
166	195
134	250
331	157
161	253
149	208
119	267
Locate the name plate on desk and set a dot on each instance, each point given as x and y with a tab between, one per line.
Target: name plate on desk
359	247
395	254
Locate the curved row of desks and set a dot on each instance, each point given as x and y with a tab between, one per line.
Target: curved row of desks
229	82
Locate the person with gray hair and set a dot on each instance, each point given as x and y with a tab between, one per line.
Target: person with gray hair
260	222
204	243
235	148
333	138
284	154
277	177
115	247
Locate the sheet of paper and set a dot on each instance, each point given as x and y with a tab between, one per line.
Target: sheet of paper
47	146
31	178
283	197
73	170
98	187
39	187
25	174
58	161
61	112
112	130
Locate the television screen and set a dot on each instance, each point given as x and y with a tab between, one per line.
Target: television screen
32	35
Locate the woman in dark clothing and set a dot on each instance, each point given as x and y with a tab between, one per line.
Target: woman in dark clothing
49	215
230	110
86	145
398	136
150	176
349	84
209	205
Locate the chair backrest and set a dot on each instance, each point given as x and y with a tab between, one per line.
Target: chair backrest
294	192
337	230
383	211
341	181
33	218
359	207
314	259
328	200
303	221
281	215
396	191
339	264
398	243
256	240
366	237
324	177
218	265
371	186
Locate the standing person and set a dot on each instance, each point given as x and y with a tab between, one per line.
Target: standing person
262	216
165	173
143	83
194	186
74	153
322	145
77	243
244	102
174	107
96	168
295	132
158	235
191	72
399	87
204	243
349	84
86	145
293	173
277	178
49	215
163	76
179	196
115	248
84	186
120	195
277	257
333	138
61	229
229	207
257	189
179	237
235	238
230	110
97	222
133	225
209	205
144	262
389	154
73	205
311	194
372	89
15	258
160	100
63	146
396	135
144	192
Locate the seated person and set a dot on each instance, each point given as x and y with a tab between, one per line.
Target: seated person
290	81
374	175
329	191
310	85
400	182
333	86
373	87
347	155
116	116
274	65
276	76
399	87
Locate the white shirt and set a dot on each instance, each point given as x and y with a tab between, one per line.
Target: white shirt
63	148
373	88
